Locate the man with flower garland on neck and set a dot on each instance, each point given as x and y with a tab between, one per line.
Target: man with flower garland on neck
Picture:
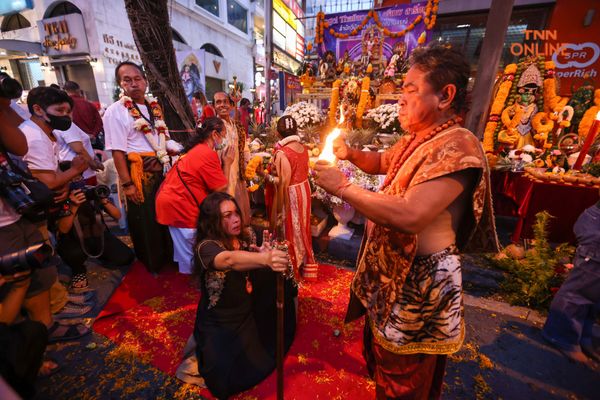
435	202
137	136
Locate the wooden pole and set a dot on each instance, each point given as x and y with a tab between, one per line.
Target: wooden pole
489	59
280	338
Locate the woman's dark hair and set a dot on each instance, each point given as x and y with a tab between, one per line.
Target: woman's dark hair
287	126
47	96
210	226
444	65
203	131
123	63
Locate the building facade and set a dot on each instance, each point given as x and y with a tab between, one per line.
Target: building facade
83	41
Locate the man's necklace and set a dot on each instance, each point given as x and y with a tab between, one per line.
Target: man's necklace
150	113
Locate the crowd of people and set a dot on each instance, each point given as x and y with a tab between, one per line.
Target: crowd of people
192	206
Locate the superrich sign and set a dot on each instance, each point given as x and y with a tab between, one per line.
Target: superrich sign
63	35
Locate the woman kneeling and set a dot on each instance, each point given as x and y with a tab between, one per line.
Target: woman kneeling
235	328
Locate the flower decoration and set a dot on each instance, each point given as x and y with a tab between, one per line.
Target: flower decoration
386	117
305	114
354	176
428	18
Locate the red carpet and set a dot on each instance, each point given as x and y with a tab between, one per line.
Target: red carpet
153	317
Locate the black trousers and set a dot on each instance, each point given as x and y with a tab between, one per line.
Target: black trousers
21	353
115	253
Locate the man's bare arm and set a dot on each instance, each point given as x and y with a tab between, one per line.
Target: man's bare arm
12	138
417	209
121	166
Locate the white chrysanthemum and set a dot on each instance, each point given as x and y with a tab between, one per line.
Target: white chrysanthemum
140	124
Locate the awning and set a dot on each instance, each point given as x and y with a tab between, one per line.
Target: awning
21	45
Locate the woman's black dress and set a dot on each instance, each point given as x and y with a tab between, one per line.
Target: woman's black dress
235	330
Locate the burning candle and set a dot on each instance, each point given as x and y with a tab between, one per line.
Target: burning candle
327	153
588	142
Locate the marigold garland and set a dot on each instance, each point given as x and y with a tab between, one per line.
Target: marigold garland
253	164
335	99
497	106
552	102
429	18
362	102
589	116
542	124
511	123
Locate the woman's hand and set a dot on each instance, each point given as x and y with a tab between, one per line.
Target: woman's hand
266	243
77	197
277	260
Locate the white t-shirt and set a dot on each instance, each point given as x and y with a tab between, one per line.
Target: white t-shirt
43	152
66	153
8	215
119	133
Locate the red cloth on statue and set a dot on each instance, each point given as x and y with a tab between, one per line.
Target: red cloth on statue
297	209
201	170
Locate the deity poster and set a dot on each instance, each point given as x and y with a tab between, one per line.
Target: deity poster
190	64
372	41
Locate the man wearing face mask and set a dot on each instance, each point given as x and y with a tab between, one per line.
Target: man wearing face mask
50	109
234	154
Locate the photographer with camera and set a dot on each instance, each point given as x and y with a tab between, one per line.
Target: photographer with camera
83	234
23	281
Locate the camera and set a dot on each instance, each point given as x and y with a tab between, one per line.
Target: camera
97	192
92	193
33	257
15	192
10	88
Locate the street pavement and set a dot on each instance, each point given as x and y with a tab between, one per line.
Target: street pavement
503	357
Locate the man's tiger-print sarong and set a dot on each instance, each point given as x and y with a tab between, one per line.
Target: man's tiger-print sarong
428	315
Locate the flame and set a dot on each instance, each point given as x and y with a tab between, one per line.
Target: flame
327	153
598	116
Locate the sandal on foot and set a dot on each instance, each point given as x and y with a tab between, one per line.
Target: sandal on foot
79	283
73	310
64	333
80	298
48	368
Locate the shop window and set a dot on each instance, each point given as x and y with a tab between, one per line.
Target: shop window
211	6
14	22
62	8
466	31
237	15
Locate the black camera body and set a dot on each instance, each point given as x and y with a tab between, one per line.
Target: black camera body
33	257
10	88
97	192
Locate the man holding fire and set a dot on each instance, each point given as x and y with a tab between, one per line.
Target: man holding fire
435	202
